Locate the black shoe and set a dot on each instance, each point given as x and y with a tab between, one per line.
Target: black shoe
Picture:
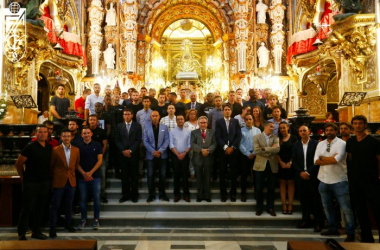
22	237
39	236
176	198
164	198
103	200
134	200
330	232
350	238
52	234
317	229
271	212
243	198
199	199
208	200
187	198
223	199
259	212
233	198
304	224
70	229
150	199
123	199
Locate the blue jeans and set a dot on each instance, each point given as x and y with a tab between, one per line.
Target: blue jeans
83	187
340	192
161	164
56	202
260	177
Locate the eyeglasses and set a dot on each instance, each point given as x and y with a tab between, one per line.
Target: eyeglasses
328	147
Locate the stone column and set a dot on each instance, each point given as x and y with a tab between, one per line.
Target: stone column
241	34
95	38
277	36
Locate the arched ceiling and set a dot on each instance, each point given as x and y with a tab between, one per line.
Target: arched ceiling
156	15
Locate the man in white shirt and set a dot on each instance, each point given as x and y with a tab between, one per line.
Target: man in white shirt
91	100
331	156
43	117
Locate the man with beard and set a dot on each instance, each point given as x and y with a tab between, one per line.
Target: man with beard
162	106
136	106
91	100
59	104
180	107
253	102
206	107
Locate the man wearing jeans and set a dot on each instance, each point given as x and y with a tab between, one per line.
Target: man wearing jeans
91	158
156	142
331	156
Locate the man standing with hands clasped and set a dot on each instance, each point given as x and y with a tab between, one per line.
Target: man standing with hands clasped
331	156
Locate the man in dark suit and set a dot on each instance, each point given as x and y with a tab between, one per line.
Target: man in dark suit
228	135
129	134
203	144
307	181
193	104
64	162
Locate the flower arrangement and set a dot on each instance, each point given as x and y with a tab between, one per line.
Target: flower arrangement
3	105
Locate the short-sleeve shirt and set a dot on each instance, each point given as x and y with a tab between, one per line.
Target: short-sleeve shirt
135	108
80	103
90	102
180	108
162	110
37	168
62	105
363	166
99	135
89	157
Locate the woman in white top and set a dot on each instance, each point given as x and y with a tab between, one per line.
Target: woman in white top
191	124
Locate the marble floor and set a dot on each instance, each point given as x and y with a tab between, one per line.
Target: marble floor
186	238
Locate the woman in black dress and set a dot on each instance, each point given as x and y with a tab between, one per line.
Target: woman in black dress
258	119
286	172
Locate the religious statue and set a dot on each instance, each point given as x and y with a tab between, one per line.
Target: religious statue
261	9
187	63
109	57
33	12
111	16
348	7
263	54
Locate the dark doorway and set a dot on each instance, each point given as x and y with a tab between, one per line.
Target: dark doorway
331	107
43	94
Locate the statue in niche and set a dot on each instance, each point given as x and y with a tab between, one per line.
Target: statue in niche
188	63
263	55
111	16
347	8
261	9
109	57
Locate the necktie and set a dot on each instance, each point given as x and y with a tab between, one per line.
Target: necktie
193	105
203	134
128	127
228	124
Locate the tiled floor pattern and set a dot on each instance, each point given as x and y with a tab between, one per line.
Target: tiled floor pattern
184	238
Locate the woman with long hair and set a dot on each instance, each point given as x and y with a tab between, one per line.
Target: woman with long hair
286	172
191	124
258	119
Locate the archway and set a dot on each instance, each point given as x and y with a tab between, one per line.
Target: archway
43	90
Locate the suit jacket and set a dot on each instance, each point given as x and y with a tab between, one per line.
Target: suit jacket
131	140
298	158
197	145
149	142
232	137
197	106
61	170
269	154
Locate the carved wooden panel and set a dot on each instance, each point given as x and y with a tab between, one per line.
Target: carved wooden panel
314	101
371	83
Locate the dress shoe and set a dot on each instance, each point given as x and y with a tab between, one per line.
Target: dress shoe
330	232
199	199
233	198
317	229
70	229
164	198
123	199
103	200
134	200
243	198
187	198
208	200
271	212
223	199
304	224
22	237
350	238
176	198
150	199
52	234
39	236
259	212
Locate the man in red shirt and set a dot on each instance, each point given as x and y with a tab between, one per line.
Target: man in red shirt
51	141
80	103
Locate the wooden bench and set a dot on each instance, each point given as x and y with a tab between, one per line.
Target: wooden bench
318	245
50	244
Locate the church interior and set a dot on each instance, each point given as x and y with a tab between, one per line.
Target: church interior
318	55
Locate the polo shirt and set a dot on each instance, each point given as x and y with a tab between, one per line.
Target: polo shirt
37	166
89	157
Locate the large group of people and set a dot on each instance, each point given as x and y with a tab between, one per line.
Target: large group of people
133	131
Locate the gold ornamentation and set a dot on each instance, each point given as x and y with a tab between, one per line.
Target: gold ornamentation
314	101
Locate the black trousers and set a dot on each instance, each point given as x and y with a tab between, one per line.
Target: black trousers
246	167
114	155
129	175
181	171
34	200
366	192
310	199
224	161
